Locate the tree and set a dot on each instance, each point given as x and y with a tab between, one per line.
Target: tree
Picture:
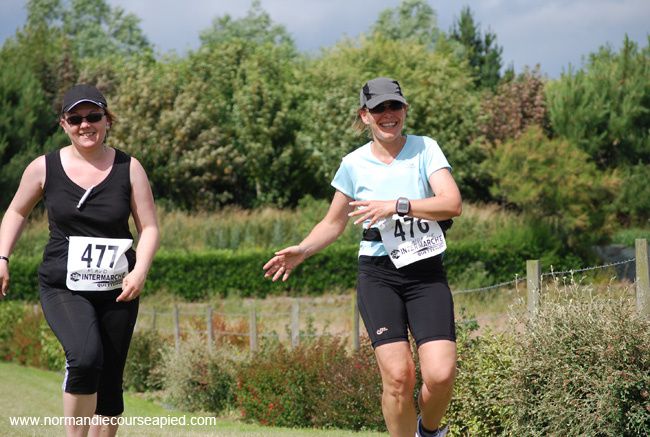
256	27
62	36
40	48
513	107
481	51
553	181
603	108
25	125
411	20
632	202
93	27
218	126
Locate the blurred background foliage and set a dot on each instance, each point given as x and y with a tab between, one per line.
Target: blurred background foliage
246	121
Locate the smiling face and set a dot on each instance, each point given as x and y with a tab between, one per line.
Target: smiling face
89	133
385	121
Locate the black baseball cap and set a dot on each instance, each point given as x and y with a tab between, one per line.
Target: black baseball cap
380	90
82	93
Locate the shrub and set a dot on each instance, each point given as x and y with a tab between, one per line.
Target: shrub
142	371
52	353
582	367
276	388
26	338
196	379
628	236
25	345
11	313
24	278
480	406
350	391
313	384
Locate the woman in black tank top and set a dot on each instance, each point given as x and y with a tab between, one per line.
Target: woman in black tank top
91	276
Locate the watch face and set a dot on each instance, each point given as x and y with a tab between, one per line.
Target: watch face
402	206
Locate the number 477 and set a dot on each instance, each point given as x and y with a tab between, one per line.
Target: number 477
88	254
399	230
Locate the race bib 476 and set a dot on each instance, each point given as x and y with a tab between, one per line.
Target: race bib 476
408	239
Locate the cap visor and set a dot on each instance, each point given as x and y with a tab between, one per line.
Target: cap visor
94	102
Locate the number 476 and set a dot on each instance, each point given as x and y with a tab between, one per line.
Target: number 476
399	230
88	254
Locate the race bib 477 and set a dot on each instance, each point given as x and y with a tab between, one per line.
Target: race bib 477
97	263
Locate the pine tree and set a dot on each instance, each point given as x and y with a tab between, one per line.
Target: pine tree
481	51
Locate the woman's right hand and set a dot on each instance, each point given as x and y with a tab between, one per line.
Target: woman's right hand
284	262
4	278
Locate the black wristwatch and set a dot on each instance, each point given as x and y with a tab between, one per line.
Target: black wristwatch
403	206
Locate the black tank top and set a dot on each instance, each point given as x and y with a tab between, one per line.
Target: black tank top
104	214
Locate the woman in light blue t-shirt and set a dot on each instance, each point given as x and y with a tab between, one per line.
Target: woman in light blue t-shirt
400	189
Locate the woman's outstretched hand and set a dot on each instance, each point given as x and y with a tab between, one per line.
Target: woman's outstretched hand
284	262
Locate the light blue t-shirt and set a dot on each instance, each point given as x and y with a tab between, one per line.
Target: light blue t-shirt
362	176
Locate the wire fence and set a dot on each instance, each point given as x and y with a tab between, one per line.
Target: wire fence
588	269
296	319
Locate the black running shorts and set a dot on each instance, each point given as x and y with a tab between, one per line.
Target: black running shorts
416	297
95	332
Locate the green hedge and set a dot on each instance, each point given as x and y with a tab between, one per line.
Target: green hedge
195	276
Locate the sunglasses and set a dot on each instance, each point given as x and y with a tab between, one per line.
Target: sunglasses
392	105
93	117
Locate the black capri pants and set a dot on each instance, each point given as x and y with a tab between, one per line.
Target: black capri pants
416	297
95	332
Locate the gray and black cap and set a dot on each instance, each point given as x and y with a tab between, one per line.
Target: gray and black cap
380	90
82	93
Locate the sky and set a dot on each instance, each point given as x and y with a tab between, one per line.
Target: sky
551	33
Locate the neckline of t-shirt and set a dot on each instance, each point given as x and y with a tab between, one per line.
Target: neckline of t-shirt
101	183
395	158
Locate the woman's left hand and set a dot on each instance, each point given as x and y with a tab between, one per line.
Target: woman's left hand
132	285
373	210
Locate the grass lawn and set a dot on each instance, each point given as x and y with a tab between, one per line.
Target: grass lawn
33	392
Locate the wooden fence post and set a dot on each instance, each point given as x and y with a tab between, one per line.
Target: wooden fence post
642	278
209	329
252	329
355	323
533	276
295	323
177	329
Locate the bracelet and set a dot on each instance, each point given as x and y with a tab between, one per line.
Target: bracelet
6	258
